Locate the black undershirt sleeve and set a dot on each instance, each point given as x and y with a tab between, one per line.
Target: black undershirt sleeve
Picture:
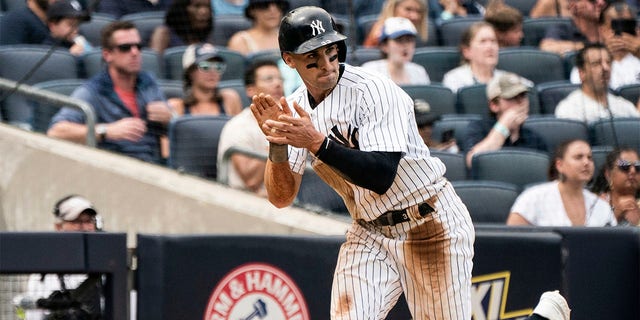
373	170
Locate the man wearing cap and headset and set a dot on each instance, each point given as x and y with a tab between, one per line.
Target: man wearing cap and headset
72	213
75	213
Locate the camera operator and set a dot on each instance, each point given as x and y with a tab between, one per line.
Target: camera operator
618	31
52	296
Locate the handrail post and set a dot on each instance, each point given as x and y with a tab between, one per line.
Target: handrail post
58	100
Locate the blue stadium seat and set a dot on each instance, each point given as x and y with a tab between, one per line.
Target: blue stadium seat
551	93
92	30
361	55
554	131
599	156
225	26
472	100
171	88
364	26
487	201
622	132
455	163
451	30
512	165
459	124
534	64
42	113
437	60
440	98
7	5
193	141
524	6
630	92
146	22
17	63
534	29
273	55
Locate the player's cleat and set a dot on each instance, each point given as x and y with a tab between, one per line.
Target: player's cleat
553	306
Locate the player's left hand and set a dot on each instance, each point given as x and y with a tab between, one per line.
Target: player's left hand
298	132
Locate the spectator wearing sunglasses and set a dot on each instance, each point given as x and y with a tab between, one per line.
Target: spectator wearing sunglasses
203	68
593	101
618	183
186	22
265	16
564	201
131	111
619	33
565	38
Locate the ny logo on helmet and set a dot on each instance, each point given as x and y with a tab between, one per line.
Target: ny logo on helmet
316	27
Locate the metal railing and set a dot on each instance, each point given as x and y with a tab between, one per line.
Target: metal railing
55	99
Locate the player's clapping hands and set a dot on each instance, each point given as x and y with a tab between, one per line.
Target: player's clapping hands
281	127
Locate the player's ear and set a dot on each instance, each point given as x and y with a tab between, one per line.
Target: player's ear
288	59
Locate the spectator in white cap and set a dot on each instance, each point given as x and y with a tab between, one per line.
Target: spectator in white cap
398	44
203	67
75	213
507	94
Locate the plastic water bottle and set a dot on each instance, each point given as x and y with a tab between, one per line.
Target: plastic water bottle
80	40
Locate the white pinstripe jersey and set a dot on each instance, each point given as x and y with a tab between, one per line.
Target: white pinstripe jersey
371	113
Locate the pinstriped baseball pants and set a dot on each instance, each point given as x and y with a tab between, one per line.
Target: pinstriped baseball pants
430	260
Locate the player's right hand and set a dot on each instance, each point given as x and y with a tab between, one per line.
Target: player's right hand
264	107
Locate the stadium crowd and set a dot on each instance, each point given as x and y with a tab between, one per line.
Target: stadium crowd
485	77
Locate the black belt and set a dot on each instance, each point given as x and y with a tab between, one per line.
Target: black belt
394	217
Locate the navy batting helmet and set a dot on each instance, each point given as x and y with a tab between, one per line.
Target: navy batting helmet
308	28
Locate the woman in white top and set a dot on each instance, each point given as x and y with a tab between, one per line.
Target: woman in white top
564	201
398	44
479	51
265	16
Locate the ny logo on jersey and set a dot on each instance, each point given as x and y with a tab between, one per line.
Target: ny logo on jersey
316	27
351	141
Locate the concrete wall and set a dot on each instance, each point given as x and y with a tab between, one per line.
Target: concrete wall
132	196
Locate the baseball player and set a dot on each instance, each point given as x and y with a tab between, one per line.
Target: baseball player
410	231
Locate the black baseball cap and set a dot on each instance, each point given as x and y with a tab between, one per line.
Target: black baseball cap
67	9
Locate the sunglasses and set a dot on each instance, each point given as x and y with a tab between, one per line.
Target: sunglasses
126	47
207	66
625	165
